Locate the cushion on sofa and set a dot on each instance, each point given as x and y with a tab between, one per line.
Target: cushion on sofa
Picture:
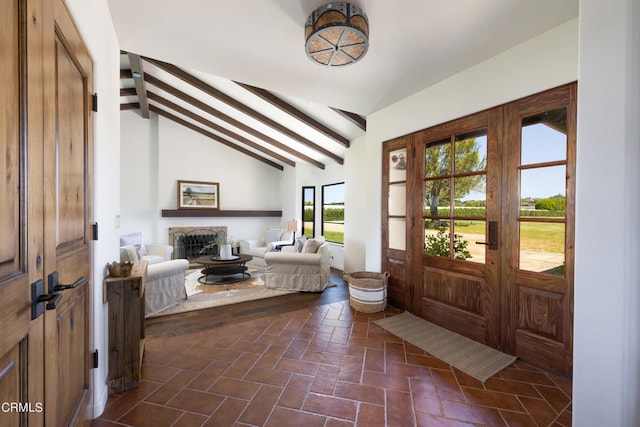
300	241
311	246
273	235
134	239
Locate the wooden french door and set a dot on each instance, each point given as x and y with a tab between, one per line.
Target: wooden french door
478	226
539	231
45	216
458	182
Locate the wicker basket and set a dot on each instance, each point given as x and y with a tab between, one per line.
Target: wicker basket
367	291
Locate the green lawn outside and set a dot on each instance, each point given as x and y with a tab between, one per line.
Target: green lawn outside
535	236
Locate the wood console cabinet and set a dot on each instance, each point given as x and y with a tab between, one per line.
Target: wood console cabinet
125	296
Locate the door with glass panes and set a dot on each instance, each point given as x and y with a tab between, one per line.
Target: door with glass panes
538	230
458	207
488	226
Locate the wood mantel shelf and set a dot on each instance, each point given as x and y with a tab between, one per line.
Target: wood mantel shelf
184	213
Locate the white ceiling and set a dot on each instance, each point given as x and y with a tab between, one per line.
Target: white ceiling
413	44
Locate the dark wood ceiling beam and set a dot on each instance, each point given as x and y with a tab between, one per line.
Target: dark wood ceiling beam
294	112
213	136
354	118
138	80
223	97
209	124
128	91
130	106
126	74
227	119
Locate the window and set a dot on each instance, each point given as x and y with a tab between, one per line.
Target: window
333	212
543	192
455	196
309	211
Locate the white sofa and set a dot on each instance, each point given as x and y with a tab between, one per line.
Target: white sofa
164	285
257	248
306	271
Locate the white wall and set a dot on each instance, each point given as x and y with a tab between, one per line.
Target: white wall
607	297
357	206
139	172
543	62
157	152
94	22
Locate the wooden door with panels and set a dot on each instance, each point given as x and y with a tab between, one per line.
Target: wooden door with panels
458	207
539	228
396	256
483	224
21	219
45	216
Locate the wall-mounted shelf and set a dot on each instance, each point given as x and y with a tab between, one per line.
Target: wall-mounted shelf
191	213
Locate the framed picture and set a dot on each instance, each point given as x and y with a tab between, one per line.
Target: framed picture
198	195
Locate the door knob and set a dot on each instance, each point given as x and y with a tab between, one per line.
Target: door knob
38	297
493	236
54	286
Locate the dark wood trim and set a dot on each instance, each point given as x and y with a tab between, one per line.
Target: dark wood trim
213	136
354	118
184	213
294	112
233	122
175	107
128	91
138	79
130	106
126	74
210	90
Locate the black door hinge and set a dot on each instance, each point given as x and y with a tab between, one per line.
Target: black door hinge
94	229
95	359
94	102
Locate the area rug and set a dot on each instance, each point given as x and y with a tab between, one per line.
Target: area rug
200	296
471	357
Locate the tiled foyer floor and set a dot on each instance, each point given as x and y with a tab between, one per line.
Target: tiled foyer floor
324	366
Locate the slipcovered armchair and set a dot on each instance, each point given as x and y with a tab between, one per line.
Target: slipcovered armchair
306	271
257	248
164	285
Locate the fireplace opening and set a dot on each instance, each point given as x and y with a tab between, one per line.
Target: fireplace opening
188	243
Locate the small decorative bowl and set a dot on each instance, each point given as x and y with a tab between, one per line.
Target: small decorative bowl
120	269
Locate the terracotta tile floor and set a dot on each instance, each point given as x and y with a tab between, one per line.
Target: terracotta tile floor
324	366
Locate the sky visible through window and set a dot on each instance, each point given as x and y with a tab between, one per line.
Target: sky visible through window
334	194
540	143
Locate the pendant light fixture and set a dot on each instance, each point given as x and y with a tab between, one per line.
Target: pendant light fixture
337	34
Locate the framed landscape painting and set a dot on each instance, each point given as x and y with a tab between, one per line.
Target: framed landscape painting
198	195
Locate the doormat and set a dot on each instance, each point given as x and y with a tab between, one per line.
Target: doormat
471	357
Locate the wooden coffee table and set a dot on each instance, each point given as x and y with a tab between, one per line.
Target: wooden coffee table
219	271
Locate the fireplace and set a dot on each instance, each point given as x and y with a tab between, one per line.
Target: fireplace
188	241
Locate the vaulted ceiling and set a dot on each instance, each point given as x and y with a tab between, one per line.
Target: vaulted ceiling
251	120
237	72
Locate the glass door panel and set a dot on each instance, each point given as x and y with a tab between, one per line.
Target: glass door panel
543	190
542	247
397	233
398	165
455	194
398	199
